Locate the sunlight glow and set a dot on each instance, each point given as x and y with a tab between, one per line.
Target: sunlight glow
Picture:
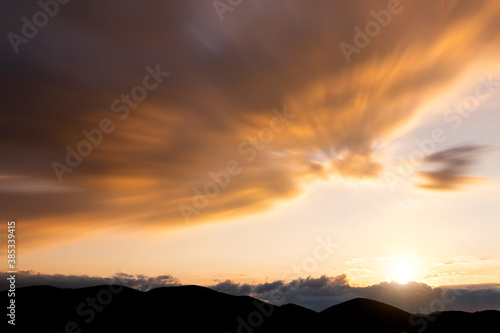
403	272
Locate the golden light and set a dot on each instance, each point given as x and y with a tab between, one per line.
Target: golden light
403	272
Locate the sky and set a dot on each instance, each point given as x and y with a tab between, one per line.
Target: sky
248	144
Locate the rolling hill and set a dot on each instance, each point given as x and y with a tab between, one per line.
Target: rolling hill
199	309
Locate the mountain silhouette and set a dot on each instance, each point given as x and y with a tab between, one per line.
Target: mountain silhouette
198	309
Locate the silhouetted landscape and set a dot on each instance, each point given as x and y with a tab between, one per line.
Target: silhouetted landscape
199	309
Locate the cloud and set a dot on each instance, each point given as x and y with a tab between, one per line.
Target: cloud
357	166
225	80
453	165
314	293
139	282
463	260
320	293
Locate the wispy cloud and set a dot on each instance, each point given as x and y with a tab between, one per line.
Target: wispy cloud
451	168
463	260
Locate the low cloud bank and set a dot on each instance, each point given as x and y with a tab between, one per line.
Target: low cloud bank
313	293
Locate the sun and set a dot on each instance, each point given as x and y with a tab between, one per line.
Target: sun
403	272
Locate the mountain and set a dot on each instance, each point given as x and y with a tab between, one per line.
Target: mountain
198	309
365	315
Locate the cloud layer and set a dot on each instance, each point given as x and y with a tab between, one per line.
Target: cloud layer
138	281
314	293
320	293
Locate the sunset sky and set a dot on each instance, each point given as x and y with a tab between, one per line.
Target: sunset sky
256	142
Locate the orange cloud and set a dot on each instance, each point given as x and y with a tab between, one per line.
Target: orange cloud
217	104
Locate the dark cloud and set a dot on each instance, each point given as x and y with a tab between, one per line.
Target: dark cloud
451	168
314	293
225	80
140	282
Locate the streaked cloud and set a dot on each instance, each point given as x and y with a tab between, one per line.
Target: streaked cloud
225	80
357	166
